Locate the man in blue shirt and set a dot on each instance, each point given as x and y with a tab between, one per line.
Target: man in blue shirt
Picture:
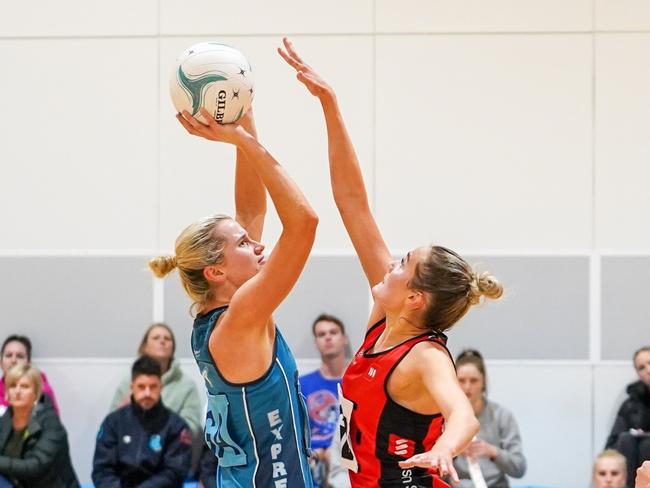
320	389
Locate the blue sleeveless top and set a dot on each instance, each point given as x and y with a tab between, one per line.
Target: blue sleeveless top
259	430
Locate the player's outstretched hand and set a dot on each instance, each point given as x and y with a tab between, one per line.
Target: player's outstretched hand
305	73
230	133
438	458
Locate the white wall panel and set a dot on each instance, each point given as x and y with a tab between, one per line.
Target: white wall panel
622	15
197	17
484	142
197	176
481	16
79	144
552	406
79	18
622	142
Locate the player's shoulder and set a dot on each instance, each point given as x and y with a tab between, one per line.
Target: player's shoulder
430	352
431	345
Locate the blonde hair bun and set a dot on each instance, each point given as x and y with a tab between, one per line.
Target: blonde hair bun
162	265
489	286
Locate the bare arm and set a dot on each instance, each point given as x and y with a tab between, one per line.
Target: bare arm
252	304
259	297
250	194
346	178
437	374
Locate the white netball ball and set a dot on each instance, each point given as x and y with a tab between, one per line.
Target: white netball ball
215	76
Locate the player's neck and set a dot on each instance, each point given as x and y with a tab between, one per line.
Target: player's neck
222	296
398	329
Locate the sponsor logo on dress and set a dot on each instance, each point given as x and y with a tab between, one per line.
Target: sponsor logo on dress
400	447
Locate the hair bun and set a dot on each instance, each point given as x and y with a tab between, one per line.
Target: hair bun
162	265
489	286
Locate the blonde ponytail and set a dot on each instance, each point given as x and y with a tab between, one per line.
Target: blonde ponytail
162	265
198	246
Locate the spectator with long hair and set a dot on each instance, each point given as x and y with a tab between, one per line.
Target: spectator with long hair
180	393
497	447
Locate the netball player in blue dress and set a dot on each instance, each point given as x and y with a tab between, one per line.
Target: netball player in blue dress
256	422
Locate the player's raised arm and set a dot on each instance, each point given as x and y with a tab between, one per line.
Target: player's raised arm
345	173
254	300
250	193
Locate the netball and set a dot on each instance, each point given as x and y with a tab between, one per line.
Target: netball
215	76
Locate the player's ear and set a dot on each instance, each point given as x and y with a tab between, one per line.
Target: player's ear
214	274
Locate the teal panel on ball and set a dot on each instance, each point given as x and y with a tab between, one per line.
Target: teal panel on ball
196	87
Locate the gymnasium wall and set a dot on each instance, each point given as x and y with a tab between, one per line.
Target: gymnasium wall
514	131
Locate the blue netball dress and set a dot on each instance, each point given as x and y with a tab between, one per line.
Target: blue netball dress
258	430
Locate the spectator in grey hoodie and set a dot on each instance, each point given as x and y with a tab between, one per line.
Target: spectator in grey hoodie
497	447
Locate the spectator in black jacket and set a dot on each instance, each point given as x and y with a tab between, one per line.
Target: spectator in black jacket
631	431
34	449
142	444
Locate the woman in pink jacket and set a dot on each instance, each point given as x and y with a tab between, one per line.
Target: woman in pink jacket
17	349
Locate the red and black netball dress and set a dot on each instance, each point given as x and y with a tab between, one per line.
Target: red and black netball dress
376	432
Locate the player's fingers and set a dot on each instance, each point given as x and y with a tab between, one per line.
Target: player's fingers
443	469
185	124
453	473
291	50
287	58
191	120
208	118
410	462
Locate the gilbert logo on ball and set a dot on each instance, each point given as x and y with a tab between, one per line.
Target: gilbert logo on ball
215	76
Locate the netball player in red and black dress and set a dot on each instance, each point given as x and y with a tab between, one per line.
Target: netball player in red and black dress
401	387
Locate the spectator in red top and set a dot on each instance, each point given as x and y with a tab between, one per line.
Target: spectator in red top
17	349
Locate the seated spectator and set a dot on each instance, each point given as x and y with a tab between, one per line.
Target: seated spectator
320	388
630	434
609	470
143	444
497	448
180	394
34	449
17	349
